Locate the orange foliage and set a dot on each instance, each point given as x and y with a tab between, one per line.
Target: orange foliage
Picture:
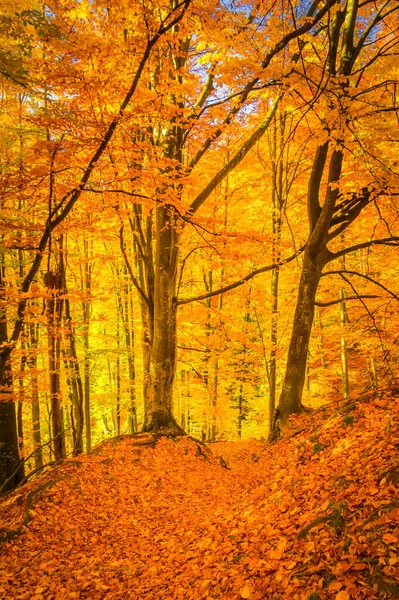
314	516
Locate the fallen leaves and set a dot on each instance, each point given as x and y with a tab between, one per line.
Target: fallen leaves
168	523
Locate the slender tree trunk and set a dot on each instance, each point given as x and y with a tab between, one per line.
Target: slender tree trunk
21	399
344	351
32	364
21	373
126	313
240	411
321	337
208	281
131	358
86	379
86	341
54	281
118	380
76	383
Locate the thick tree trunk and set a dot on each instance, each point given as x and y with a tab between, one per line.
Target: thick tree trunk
9	454
162	367
295	374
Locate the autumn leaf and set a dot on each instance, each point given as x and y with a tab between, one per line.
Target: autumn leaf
246	592
342	596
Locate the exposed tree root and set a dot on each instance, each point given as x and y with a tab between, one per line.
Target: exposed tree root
335	518
8	534
164	425
141	440
376	513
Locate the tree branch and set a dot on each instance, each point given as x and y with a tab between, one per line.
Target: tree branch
391	241
310	22
345	271
130	270
232	164
236	284
339	300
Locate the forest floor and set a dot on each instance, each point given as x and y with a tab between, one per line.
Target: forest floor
313	516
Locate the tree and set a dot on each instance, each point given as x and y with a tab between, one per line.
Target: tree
150	31
353	52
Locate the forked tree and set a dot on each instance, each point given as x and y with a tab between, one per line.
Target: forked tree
348	95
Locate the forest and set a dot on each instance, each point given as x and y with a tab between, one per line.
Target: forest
199	210
198	217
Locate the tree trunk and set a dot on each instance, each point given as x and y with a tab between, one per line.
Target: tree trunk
295	374
32	364
118	379
344	351
162	367
9	454
76	383
240	417
87	243
54	281
126	313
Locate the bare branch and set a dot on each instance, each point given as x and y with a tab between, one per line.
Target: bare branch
309	23
240	282
345	271
391	241
130	270
232	164
338	300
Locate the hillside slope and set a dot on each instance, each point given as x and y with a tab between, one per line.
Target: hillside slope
312	516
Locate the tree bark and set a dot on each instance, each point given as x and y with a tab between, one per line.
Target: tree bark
162	368
54	281
76	383
9	454
294	379
86	281
32	364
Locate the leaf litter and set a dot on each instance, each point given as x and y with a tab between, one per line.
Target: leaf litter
313	516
